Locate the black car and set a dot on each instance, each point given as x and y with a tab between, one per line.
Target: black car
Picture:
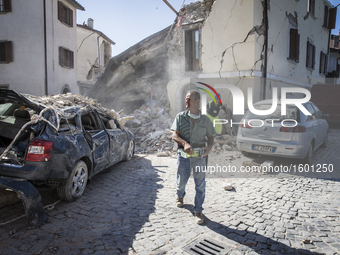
61	148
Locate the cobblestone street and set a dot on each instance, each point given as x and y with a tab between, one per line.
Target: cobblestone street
130	209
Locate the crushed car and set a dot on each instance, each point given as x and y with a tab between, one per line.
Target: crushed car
61	147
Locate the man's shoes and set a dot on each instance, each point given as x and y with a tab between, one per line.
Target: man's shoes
199	218
179	202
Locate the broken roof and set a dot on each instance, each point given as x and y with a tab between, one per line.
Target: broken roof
98	32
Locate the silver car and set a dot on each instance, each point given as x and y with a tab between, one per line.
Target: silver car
296	137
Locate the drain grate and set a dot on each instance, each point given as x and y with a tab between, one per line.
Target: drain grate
205	246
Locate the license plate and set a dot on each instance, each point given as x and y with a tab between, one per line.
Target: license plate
263	148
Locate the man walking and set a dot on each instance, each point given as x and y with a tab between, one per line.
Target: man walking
191	131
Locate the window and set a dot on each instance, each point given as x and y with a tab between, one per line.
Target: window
310	59
5	6
192	52
312	111
6	55
65	14
294	44
66	57
323	63
325	17
311	7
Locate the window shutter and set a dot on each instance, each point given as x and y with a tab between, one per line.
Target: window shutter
321	61
325	18
313	57
298	48
7	6
293	44
307	54
326	63
332	18
60	11
61	56
71	59
9	52
71	18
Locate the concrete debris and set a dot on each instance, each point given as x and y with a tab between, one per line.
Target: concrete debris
64	101
228	187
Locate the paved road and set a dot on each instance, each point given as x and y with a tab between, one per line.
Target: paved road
130	209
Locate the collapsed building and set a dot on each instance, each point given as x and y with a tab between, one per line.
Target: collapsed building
260	44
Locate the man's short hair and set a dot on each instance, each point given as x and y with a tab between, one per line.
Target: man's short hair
196	93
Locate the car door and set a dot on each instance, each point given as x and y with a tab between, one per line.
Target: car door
118	138
100	140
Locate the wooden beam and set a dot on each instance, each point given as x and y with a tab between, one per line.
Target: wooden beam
172	8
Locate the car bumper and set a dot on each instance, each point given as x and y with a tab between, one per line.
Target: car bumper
29	171
292	149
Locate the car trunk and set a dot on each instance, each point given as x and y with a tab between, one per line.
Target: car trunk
15	113
266	130
267	127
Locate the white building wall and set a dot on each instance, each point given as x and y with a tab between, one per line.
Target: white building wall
308	27
60	34
24	27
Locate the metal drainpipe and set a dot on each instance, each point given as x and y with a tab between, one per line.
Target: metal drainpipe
45	50
264	71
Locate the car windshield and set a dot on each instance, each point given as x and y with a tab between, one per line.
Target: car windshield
291	113
4	107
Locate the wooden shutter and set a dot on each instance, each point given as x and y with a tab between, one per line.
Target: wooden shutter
294	44
9	52
60	11
325	18
313	56
326	64
307	55
332	18
61	56
7	6
71	17
71	59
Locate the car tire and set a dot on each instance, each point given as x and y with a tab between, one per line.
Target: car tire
75	183
130	151
309	157
325	142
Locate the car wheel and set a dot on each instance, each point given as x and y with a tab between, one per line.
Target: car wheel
130	151
309	157
75	184
325	142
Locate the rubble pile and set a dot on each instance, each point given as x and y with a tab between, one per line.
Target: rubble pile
151	128
63	101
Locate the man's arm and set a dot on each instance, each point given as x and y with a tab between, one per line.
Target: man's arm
180	141
210	144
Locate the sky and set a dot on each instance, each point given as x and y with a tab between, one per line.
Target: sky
126	22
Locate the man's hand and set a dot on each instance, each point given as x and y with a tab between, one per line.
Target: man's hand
187	148
181	142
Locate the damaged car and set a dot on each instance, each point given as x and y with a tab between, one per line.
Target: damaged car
60	148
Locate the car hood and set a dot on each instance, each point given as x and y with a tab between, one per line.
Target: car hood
7	95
